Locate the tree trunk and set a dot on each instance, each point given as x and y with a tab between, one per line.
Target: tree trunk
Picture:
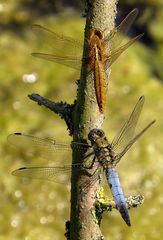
84	224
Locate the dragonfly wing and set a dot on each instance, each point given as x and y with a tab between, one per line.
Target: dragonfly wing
127	131
58	43
46	148
68	61
127	22
55	174
114	54
115	186
36	147
116	35
31	142
127	147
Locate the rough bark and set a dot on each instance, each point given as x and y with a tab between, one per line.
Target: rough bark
84	224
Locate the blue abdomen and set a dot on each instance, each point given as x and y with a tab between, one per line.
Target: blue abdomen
115	186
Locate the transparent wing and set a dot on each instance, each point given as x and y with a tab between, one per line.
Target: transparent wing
116	36
57	41
127	131
119	156
68	61
113	41
55	174
61	48
115	54
46	148
32	143
57	171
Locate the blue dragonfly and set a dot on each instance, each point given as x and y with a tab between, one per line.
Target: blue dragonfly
106	154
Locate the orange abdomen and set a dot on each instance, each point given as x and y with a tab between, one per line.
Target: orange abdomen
100	85
96	63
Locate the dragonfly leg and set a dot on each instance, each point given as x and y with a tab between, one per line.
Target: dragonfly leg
93	178
92	163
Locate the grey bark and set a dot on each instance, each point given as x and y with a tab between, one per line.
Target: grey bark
84	223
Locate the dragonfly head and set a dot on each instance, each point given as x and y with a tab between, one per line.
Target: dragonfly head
95	134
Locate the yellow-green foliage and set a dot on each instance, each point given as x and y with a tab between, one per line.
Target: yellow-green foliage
38	210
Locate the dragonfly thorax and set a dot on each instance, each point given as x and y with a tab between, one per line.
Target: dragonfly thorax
106	157
96	48
102	149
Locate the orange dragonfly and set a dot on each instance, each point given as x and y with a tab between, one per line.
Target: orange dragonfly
103	50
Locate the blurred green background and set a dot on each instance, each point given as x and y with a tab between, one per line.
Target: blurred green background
38	209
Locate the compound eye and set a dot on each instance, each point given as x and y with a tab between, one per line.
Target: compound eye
100	133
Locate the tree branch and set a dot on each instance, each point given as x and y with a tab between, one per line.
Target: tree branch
63	109
86	116
103	203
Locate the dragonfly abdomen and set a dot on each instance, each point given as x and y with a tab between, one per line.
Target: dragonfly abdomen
114	183
100	85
